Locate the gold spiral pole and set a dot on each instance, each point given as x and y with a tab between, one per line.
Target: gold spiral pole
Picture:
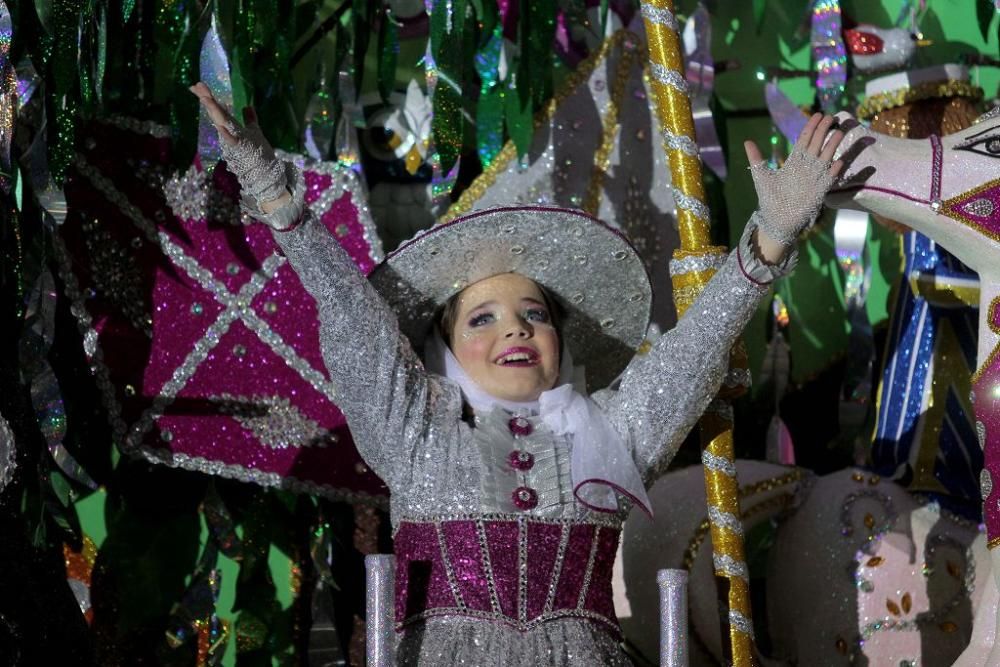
694	264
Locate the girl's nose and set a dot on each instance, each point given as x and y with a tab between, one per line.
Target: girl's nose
518	330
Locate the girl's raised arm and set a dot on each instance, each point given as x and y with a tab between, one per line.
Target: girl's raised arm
663	393
381	385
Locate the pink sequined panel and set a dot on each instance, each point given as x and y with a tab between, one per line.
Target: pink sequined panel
342	220
980	209
574	566
543	547
599	595
422	587
209	340
502	539
421	580
987	408
467	563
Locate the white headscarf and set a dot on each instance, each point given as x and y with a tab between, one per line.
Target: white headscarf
600	464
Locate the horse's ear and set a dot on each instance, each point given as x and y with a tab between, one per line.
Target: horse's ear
989	115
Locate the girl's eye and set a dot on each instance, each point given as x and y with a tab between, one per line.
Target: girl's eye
481	319
536	315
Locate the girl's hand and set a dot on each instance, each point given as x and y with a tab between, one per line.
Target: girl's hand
247	153
790	198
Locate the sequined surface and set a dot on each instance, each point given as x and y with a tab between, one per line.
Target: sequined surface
479	568
379	585
925	419
408	425
7	454
203	342
673	617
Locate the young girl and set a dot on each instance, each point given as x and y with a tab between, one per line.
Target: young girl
509	482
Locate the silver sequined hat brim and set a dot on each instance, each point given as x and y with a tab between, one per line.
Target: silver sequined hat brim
591	268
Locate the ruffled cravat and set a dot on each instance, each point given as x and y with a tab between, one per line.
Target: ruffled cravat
600	464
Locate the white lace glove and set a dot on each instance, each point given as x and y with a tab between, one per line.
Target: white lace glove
251	159
262	176
790	198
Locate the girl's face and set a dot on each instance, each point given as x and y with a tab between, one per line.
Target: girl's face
504	338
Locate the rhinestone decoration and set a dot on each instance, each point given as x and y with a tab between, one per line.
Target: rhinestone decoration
521	460
275	421
986	483
520	426
982	208
525	498
116	275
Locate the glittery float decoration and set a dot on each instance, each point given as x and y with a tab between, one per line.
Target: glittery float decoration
673	617
446	45
226	313
8	453
788	117
746	493
850	232
873	104
351	118
489	110
986	402
46	396
610	125
380	580
673	107
701	80
829	54
497	176
320	122
214	68
8	97
79	567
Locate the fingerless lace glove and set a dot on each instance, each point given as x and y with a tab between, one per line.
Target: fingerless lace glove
790	198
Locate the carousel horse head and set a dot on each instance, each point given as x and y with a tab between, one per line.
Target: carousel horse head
947	188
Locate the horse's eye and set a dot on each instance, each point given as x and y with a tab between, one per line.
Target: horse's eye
985	143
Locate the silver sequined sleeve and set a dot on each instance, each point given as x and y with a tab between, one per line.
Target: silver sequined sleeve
382	388
663	393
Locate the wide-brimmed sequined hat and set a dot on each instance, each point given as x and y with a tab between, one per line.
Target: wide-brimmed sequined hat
591	268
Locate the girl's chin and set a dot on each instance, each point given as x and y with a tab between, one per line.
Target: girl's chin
519	395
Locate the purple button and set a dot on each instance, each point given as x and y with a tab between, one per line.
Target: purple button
525	498
521	460
520	426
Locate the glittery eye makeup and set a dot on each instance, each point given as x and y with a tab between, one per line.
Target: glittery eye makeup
482	319
985	143
536	316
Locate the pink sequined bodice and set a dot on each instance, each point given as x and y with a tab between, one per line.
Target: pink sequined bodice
521	570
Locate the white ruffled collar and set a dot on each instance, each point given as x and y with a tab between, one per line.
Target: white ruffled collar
600	463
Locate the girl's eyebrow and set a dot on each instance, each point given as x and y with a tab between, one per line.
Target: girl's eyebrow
491	302
534	301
